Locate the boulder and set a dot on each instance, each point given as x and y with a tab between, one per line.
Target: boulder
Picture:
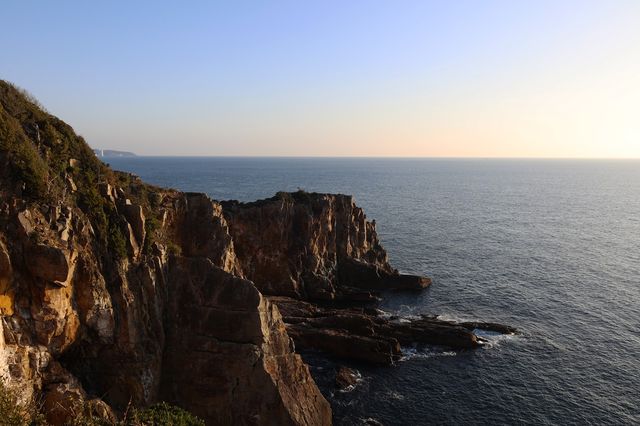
346	377
344	344
361	274
50	263
25	222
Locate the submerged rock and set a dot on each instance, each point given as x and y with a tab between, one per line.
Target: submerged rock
346	377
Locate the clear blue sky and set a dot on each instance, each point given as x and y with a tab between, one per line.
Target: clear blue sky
463	78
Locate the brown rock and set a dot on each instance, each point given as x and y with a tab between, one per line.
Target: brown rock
312	247
233	342
361	274
202	231
132	243
62	402
135	216
71	184
346	377
98	409
5	268
25	222
50	263
344	344
364	335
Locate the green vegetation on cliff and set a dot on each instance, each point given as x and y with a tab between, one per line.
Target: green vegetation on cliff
15	413
41	157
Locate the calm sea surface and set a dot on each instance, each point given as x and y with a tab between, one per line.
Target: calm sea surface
551	247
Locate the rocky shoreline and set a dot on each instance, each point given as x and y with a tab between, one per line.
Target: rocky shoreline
115	292
367	335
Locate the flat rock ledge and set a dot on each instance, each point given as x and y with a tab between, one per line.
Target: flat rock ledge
365	334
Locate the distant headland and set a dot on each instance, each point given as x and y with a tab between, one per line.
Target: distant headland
112	153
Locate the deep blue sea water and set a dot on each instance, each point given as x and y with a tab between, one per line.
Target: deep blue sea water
551	247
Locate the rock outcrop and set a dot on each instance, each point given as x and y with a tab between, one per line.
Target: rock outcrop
346	378
226	342
365	334
317	247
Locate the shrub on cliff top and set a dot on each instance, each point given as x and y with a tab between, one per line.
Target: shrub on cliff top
163	414
21	156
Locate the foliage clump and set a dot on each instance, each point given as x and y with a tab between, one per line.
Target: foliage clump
20	157
13	412
161	414
39	152
164	414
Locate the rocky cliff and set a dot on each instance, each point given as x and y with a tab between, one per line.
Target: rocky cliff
312	246
115	292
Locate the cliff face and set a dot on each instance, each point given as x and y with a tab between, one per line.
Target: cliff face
113	291
313	247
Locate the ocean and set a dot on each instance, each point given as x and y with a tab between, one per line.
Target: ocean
551	247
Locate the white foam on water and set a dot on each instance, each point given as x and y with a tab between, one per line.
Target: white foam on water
453	317
350	388
395	395
493	338
424	353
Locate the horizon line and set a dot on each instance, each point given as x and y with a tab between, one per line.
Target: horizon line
373	157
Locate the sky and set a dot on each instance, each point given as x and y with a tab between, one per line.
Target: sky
335	78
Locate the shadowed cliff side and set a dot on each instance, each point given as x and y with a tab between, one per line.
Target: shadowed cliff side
115	292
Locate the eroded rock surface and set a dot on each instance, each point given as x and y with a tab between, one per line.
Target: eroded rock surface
225	343
318	247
